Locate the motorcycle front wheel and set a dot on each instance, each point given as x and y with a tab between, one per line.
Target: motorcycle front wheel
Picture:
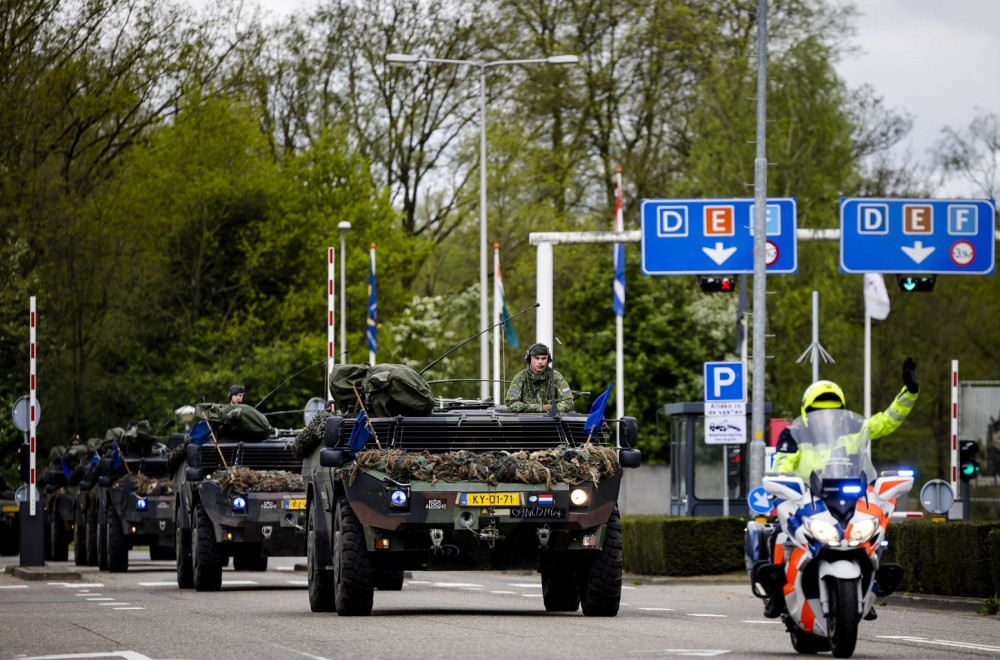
842	623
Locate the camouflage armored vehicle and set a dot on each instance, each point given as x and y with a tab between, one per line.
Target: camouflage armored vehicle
461	485
134	497
10	530
84	477
239	495
60	500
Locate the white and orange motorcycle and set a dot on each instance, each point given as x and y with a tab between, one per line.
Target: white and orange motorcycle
832	516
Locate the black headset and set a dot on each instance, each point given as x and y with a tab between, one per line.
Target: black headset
527	354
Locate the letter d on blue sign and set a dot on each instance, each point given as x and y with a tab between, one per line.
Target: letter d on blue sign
724	381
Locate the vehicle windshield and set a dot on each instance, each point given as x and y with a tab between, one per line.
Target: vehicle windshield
834	443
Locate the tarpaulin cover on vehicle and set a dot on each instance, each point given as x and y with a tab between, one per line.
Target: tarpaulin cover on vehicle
235	422
396	389
343	379
138	440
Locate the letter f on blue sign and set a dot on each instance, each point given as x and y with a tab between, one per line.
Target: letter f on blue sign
724	381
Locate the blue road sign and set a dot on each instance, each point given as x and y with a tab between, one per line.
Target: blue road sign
705	236
724	381
946	236
757	499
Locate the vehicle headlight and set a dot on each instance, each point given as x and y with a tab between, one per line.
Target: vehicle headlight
579	497
861	532
823	532
399	497
140	503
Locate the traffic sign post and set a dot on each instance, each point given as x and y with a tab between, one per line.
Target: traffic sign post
725	412
705	236
758	501
929	236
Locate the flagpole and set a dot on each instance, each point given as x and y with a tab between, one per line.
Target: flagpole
619	321
330	307
868	364
496	323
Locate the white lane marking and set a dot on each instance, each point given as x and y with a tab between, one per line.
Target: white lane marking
105	598
944	642
231	583
76	585
472	588
418	582
752	621
127	655
285	648
531	595
452	585
14	586
658	609
112	604
704	653
503	592
87	593
625	587
525	585
158	584
130	608
722	616
284	568
300	583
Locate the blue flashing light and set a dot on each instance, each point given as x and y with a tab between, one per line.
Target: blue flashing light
140	504
398	497
905	473
851	490
884	544
239	503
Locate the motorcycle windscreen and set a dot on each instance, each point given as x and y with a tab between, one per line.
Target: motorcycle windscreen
834	443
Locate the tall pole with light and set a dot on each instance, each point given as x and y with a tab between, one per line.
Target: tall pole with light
405	59
343	226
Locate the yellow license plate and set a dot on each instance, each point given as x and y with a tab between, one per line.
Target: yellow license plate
10	508
489	499
295	504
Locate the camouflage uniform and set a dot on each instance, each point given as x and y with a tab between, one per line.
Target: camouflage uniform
529	391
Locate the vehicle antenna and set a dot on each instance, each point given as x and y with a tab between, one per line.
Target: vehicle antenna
293	376
476	335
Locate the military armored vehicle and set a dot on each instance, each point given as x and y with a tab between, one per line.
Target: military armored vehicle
238	493
461	485
134	498
10	530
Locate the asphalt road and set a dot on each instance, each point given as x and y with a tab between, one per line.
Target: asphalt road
142	614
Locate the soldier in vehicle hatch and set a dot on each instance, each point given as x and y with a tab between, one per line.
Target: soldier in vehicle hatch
536	386
236	394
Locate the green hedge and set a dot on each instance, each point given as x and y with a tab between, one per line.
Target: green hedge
949	559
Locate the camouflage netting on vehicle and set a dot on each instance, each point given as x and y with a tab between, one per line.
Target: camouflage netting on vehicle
564	464
312	435
246	480
177	456
147	486
235	422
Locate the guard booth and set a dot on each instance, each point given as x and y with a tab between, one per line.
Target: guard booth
700	472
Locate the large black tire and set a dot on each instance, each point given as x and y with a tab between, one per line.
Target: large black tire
102	546
10	537
59	539
206	556
600	580
353	576
80	538
806	644
117	544
46	537
321	592
389	580
185	572
842	623
560	591
161	552
91	539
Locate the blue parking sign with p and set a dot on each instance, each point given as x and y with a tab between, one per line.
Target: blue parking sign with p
725	381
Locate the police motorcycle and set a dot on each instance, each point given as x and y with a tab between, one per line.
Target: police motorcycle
832	513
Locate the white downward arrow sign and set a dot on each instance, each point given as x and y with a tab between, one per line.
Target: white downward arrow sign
718	254
918	252
760	501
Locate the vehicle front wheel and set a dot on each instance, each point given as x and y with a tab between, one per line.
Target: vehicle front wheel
117	544
352	568
206	557
102	546
80	538
600	581
59	539
185	572
92	559
843	620
321	591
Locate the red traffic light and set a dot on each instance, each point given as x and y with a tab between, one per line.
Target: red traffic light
717	284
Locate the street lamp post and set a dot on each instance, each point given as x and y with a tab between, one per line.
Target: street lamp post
344	225
405	59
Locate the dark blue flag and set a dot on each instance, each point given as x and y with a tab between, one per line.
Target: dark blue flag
360	432
64	467
200	432
116	458
372	306
95	459
596	416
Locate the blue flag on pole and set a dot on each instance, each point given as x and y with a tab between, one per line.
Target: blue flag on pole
619	254
508	327
596	416
200	432
65	467
372	307
95	459
360	433
116	458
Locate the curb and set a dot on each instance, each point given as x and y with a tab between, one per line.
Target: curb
42	573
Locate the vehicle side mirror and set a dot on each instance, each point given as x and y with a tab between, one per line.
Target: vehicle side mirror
629	458
629	432
194	474
332	434
330	458
193	455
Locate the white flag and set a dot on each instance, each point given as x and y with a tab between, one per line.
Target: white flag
876	297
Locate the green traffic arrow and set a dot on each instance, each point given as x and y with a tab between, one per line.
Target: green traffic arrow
909	284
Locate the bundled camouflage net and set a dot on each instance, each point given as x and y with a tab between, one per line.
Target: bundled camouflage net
564	464
246	480
177	456
147	486
311	436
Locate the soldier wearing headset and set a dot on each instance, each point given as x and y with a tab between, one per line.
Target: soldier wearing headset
536	386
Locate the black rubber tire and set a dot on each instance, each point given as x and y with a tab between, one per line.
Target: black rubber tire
321	593
353	576
80	538
91	539
102	546
59	539
46	537
206	556
560	591
10	537
842	623
389	580
600	580
117	544
185	572
805	643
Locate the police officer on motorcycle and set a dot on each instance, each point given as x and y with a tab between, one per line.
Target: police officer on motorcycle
822	395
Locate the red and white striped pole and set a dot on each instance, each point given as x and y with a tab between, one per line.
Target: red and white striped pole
954	430
32	417
330	307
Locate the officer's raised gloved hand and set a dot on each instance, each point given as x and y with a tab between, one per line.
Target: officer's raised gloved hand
910	375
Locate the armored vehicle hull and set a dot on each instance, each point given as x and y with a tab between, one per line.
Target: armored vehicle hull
10	529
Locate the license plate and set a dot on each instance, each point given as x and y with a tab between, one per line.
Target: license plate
295	504
489	499
11	508
537	512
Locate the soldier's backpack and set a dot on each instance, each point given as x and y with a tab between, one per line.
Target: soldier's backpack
396	389
235	422
343	379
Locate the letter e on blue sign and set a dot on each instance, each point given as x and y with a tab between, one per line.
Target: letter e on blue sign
725	381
